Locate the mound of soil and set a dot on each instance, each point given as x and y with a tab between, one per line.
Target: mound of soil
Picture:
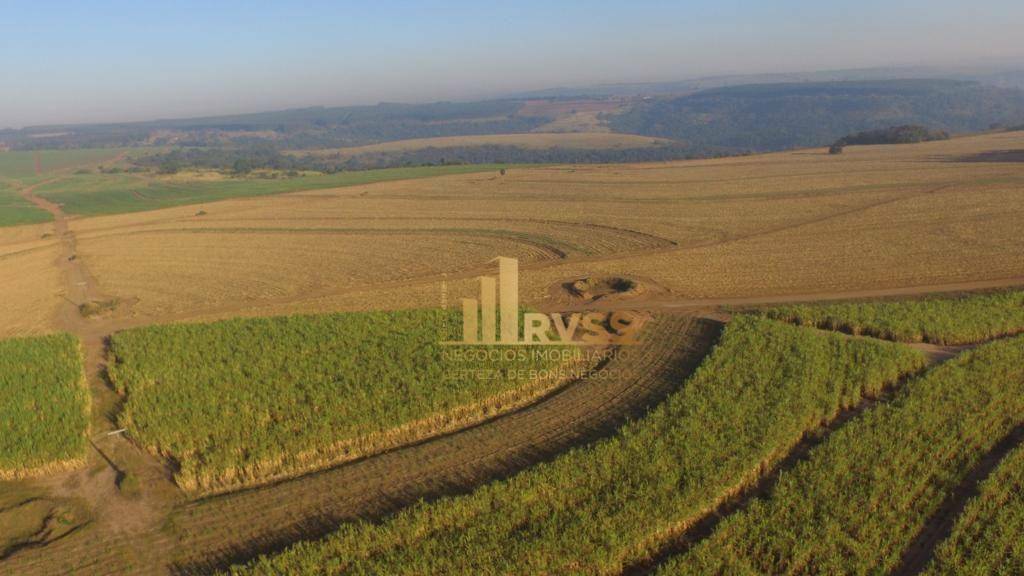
593	289
95	308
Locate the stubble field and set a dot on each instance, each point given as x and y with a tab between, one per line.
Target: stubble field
798	223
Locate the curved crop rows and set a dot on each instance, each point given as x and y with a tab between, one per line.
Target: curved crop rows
594	509
862	497
204	535
986	538
240	402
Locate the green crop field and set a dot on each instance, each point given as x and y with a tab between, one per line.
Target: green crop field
44	407
939	320
95	194
987	536
15	210
21	165
861	498
596	508
242	401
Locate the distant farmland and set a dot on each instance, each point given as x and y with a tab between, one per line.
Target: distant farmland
584	140
95	194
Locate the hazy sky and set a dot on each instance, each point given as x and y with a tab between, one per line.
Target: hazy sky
111	60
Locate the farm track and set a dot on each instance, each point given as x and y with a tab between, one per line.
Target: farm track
213	533
114	455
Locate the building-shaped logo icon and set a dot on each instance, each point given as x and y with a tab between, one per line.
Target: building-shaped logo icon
480	318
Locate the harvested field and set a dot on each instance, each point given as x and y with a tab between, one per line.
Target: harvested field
570	116
532	141
178	273
792	223
31	289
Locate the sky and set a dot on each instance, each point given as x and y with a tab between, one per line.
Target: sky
105	60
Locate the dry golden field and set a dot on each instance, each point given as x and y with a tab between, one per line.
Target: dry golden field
533	141
794	223
573	116
31	291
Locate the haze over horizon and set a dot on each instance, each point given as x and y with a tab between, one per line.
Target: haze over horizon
117	61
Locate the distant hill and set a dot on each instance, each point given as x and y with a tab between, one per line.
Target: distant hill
316	127
710	122
766	117
999	76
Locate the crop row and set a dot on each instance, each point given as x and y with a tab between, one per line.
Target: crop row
244	401
596	508
939	320
987	536
858	502
43	404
